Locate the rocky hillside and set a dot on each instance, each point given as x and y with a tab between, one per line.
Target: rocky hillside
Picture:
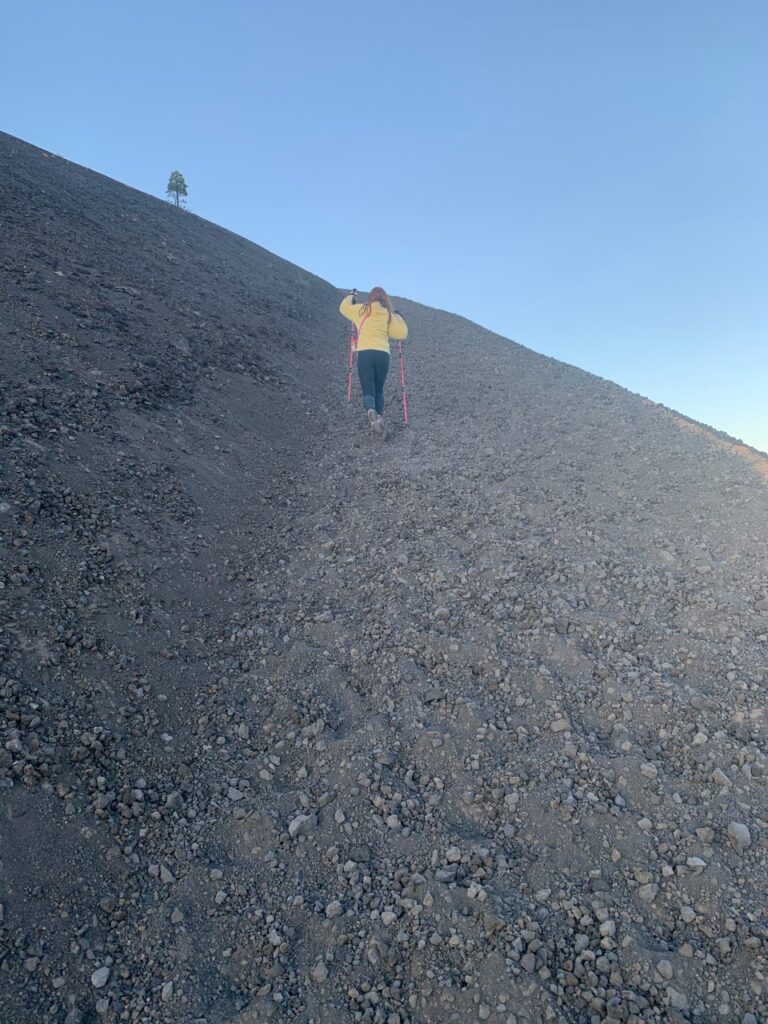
299	725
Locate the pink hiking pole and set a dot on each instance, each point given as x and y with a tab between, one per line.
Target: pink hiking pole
351	365
402	383
352	346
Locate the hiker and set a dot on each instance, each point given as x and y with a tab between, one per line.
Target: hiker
376	323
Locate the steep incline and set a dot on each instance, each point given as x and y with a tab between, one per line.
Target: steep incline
301	726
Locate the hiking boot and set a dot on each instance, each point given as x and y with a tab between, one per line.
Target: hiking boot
372	418
380	426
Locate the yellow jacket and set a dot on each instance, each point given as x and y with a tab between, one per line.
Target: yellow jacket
374	327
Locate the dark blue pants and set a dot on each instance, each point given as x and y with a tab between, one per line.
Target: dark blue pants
372	368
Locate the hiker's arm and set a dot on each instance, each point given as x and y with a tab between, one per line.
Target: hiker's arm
398	328
349	309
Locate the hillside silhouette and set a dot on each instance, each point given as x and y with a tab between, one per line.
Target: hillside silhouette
299	725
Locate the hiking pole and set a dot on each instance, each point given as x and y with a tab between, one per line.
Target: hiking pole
351	352
351	364
402	382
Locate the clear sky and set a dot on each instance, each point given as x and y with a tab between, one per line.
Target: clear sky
588	177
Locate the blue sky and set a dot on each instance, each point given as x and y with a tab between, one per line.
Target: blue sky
588	178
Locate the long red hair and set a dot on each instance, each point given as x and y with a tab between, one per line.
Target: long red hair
379	295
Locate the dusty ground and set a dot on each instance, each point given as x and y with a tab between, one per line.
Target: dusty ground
470	725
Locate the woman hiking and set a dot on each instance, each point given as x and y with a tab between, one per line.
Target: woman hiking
376	323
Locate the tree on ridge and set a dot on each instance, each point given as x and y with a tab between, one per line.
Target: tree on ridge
177	187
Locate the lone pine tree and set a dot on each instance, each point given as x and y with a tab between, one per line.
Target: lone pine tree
177	187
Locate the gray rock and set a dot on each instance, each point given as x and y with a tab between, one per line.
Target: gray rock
100	977
677	1000
302	824
320	972
528	962
739	835
665	969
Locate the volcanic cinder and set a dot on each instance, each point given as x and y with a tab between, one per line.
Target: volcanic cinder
299	725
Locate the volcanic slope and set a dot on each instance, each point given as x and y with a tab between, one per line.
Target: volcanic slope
299	725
